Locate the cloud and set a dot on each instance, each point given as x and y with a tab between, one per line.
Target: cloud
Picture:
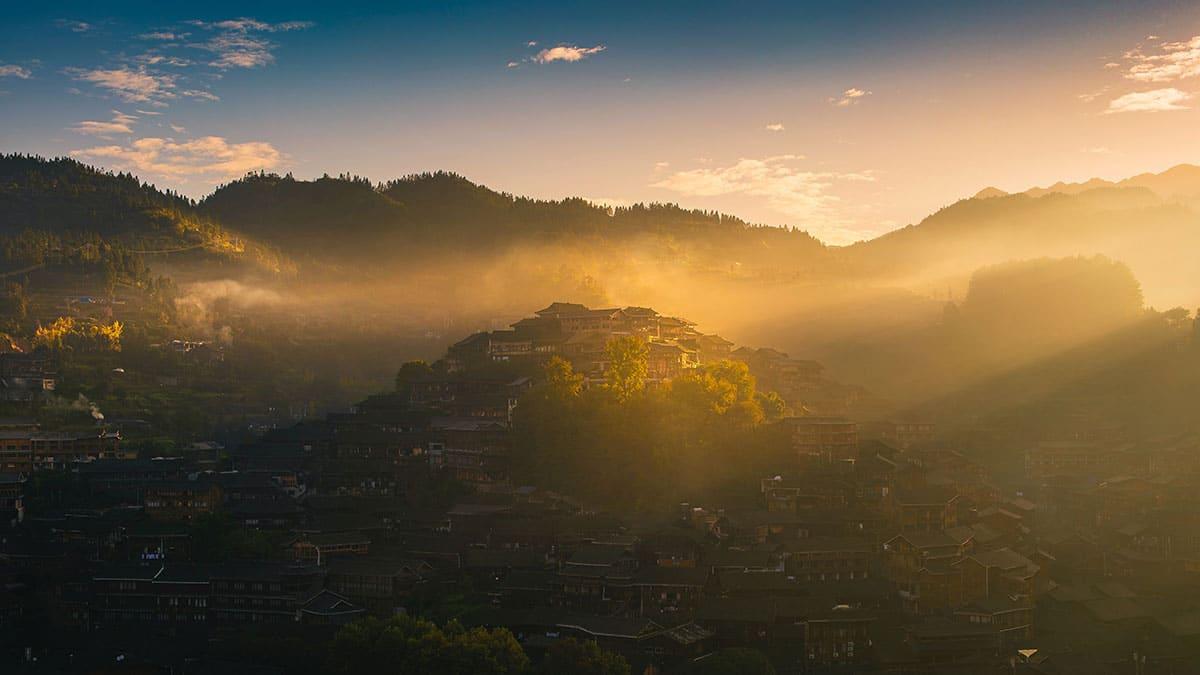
566	53
513	64
121	123
1092	96
1172	61
148	112
210	157
849	97
135	86
795	193
776	126
1098	150
531	43
151	59
238	43
1155	100
164	35
178	129
75	26
200	94
18	72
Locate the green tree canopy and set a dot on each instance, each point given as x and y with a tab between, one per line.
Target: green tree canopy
574	657
404	645
627	366
411	371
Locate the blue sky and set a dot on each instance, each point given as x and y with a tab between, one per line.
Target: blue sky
845	119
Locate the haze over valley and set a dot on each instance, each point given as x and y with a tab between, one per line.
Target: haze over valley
544	339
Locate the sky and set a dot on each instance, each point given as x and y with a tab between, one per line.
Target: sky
845	119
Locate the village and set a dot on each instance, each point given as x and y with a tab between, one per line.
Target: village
877	546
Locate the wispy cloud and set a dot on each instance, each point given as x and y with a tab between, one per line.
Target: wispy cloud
200	94
566	53
1169	62
179	129
849	97
787	189
75	26
1097	150
164	35
211	158
19	72
240	43
134	85
775	126
1093	95
121	123
153	59
1155	100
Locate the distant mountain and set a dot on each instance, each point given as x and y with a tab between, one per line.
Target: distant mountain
1179	182
64	197
1150	222
990	192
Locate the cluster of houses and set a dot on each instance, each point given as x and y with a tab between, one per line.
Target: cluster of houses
25	447
876	548
581	334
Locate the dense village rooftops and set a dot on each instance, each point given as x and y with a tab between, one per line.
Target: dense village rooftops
129	572
734	581
599	555
995	604
505	559
1005	559
671	576
336	539
466	424
925	540
326	603
379	566
739	559
559	308
828	544
928	496
1186	624
961	534
1110	610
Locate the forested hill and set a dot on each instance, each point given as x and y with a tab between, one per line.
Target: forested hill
1155	235
57	203
348	215
63	194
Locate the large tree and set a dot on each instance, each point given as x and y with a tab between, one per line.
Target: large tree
627	366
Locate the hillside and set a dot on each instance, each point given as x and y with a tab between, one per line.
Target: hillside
349	218
53	208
